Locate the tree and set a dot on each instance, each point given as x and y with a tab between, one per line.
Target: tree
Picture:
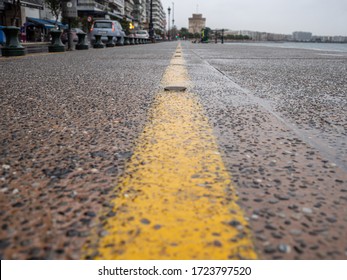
16	6
197	35
55	7
184	33
205	34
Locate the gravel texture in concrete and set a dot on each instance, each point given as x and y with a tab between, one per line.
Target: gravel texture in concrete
280	117
68	124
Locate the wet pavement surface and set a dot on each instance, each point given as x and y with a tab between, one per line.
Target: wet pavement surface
69	123
280	116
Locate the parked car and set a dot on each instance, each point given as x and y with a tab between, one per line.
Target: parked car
74	31
106	28
142	34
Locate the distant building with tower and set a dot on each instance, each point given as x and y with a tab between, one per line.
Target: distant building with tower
196	23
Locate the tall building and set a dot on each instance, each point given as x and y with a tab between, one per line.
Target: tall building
139	13
101	8
159	16
196	23
128	8
135	11
302	36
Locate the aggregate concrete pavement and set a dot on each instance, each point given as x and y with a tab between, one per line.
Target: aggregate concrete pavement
280	116
70	122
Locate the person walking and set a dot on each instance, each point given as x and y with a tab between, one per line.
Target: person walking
23	33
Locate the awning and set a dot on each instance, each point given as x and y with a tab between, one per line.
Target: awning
61	25
45	23
40	22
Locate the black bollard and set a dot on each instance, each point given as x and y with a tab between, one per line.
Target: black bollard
56	44
12	46
98	43
132	41
120	41
110	43
126	41
81	44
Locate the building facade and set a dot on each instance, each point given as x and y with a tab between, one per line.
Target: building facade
135	11
101	8
159	16
16	12
196	23
300	36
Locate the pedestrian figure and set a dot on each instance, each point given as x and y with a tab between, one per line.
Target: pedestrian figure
23	34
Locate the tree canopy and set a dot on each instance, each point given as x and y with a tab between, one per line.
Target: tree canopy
55	7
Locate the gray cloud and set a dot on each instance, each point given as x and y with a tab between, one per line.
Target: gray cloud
321	17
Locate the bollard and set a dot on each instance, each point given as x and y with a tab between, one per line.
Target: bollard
120	41
12	46
132	41
81	44
110	43
98	43
56	44
136	41
126	41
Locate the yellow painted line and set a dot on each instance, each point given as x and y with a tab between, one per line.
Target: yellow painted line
176	200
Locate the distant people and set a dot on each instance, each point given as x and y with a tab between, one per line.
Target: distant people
23	33
37	34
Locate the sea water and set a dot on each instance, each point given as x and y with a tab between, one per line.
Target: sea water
336	47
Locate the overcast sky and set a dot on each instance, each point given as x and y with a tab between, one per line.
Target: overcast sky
321	17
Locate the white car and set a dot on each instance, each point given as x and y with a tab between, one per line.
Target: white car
142	34
106	28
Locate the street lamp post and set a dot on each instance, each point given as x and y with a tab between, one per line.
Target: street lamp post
151	31
173	15
168	31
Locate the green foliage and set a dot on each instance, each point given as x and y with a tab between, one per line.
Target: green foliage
197	35
184	33
205	34
125	25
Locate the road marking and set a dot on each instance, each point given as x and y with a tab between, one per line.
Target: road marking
176	200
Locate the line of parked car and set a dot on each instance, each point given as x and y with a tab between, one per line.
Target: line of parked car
113	28
105	28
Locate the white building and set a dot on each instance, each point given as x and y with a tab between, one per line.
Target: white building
196	23
159	16
302	36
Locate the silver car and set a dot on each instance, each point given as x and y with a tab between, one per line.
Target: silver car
142	34
105	27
